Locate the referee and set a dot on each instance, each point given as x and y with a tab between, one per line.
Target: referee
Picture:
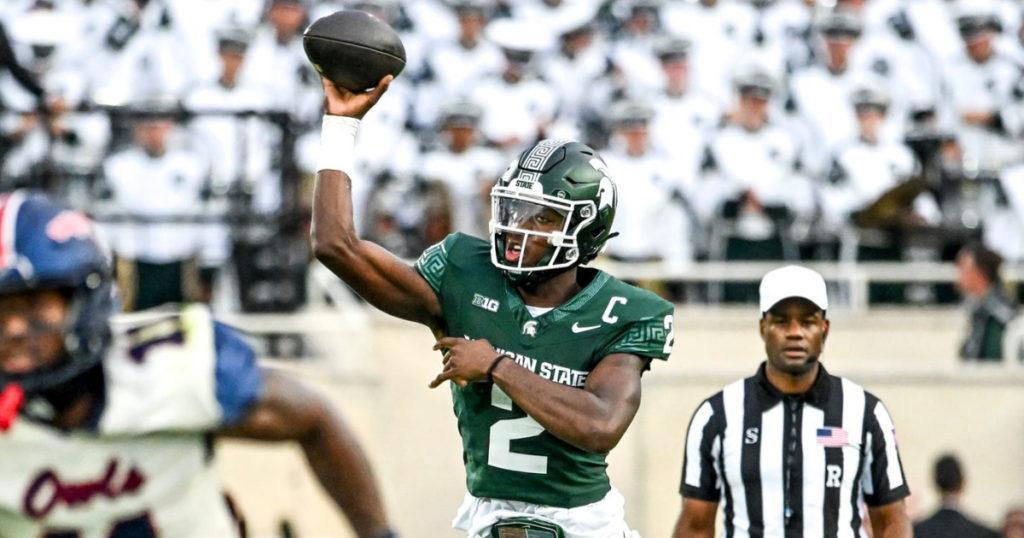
793	451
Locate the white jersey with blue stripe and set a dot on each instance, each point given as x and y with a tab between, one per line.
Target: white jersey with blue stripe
144	468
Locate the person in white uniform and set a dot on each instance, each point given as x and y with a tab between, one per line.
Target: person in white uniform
239	149
157	199
581	59
454	67
518	105
686	115
106	420
986	90
277	62
752	187
464	166
867	167
649	196
821	93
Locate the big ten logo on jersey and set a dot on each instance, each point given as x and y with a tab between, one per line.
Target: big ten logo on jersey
485	302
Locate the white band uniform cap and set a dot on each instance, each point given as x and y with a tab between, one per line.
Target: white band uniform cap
792	281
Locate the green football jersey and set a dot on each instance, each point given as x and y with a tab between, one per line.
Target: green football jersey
508	454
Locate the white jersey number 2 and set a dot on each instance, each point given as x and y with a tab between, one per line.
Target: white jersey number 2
503	432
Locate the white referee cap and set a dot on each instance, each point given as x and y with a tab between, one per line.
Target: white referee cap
792	281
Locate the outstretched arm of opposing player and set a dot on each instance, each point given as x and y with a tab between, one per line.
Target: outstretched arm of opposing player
288	411
593	419
378	276
697	519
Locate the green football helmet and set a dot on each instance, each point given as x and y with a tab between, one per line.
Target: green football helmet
567	177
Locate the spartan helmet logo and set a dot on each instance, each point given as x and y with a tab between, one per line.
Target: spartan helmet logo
606	193
530	328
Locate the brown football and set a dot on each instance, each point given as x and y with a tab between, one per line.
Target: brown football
354	49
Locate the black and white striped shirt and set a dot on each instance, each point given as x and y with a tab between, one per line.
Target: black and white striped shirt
793	466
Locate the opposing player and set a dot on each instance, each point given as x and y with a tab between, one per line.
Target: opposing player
545	356
106	421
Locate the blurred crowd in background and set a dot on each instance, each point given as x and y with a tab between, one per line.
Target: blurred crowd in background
735	129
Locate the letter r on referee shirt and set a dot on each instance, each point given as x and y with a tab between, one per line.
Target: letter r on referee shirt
834	474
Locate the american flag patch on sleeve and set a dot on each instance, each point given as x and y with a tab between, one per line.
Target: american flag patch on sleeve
833	437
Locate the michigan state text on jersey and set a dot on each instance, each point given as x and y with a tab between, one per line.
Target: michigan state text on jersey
545	357
107	421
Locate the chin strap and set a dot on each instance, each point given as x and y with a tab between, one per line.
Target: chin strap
10	403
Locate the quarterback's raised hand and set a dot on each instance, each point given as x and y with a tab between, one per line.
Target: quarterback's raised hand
341	102
466	361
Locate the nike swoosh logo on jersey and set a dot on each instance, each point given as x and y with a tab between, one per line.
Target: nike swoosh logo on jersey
577	329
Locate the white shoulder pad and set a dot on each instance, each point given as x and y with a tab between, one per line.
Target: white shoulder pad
160	373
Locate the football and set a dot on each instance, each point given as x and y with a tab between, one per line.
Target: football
353	49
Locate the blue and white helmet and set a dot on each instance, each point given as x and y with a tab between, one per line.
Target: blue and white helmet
44	246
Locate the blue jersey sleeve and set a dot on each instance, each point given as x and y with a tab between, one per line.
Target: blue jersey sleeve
239	378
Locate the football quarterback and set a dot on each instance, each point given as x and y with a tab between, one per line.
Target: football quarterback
544	355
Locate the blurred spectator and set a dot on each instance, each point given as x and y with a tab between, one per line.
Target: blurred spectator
455	67
581	58
684	115
277	63
239	149
786	25
1013	523
518	106
991	307
821	93
889	54
720	30
430	19
862	173
986	89
934	26
751	162
9	63
539	11
867	167
948	521
465	168
751	182
161	257
634	43
141	53
649	198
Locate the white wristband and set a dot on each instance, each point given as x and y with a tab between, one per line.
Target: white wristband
338	144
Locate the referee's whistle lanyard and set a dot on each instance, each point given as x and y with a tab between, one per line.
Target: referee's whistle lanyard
791	445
